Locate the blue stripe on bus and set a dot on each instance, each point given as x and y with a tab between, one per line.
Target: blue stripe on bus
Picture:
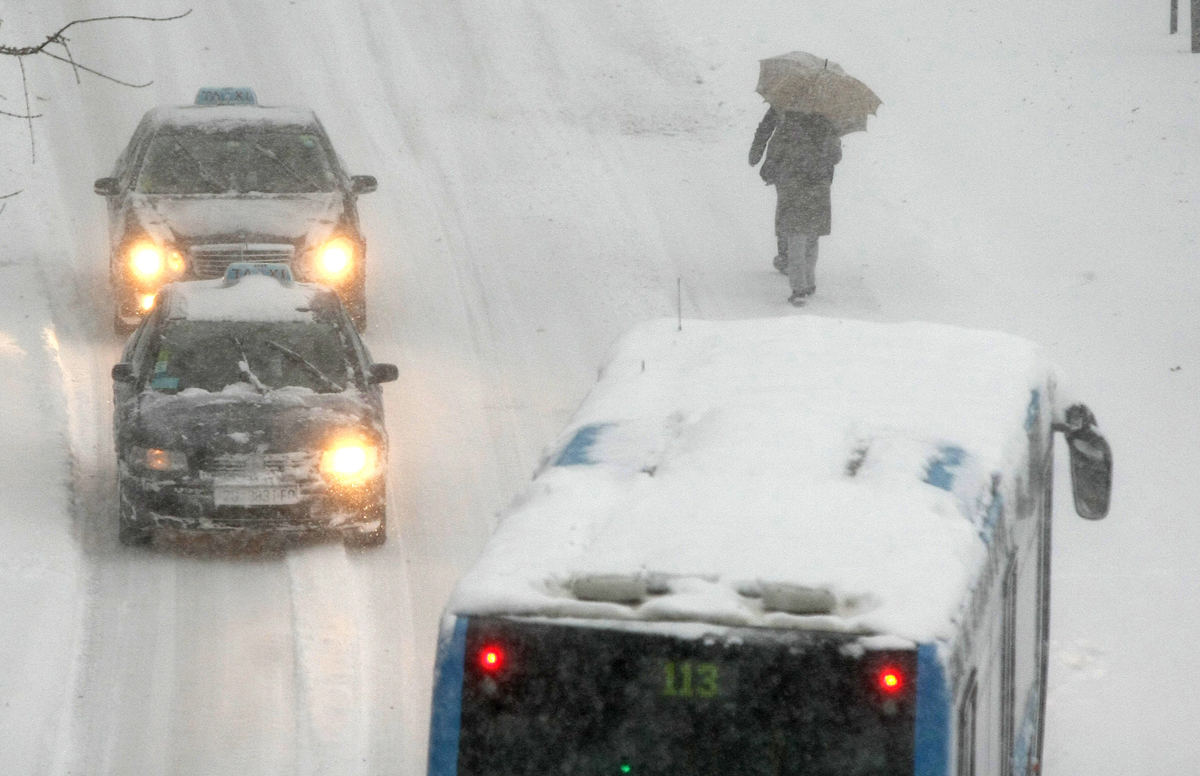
1033	411
931	744
578	450
939	469
1024	740
447	701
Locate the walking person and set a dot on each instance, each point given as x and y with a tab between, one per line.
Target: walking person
801	152
813	103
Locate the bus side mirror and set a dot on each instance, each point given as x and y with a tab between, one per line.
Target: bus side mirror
363	184
107	187
1091	463
123	373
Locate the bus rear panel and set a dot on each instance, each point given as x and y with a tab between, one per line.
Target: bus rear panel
542	698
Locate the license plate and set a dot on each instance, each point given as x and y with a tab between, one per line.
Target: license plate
255	495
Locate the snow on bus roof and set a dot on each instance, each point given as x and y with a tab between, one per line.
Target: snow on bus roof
791	472
231	116
252	298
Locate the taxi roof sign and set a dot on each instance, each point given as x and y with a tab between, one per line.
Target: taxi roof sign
226	95
240	269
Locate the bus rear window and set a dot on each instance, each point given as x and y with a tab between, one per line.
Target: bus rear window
551	699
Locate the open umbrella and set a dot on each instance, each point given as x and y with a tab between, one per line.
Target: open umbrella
799	81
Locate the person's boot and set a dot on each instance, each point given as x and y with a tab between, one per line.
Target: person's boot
780	262
797	299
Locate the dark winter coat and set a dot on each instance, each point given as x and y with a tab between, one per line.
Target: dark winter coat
800	156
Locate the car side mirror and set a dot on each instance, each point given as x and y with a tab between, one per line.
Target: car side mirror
107	187
383	373
1091	463
123	373
363	184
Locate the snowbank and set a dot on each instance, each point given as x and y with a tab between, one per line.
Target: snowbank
41	577
717	471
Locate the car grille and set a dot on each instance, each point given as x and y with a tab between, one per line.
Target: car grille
211	261
298	465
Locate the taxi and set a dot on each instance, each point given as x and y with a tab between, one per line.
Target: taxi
226	180
250	404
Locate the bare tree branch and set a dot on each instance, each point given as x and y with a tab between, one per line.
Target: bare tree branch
20	115
57	37
78	66
29	120
71	59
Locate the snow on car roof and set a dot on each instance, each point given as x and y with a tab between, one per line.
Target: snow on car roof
791	472
231	116
252	298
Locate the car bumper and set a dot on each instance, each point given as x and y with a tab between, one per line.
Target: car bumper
151	505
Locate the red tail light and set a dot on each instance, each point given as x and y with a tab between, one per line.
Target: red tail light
890	680
491	659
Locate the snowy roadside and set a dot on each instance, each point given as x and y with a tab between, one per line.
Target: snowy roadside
40	562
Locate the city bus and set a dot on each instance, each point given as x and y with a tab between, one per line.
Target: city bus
788	546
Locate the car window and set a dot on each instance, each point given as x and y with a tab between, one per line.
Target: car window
127	161
136	348
267	161
213	355
356	343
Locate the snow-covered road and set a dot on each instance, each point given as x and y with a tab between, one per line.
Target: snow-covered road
548	170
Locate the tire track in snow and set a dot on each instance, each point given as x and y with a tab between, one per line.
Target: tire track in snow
332	734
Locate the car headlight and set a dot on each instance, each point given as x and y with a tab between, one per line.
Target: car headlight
148	261
335	258
350	461
159	460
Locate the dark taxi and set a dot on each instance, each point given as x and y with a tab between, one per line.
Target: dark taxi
226	180
250	404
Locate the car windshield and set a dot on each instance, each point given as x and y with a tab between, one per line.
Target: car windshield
213	355
269	161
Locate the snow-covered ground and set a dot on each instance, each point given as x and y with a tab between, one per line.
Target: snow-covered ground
547	171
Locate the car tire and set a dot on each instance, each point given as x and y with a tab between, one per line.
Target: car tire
129	533
367	538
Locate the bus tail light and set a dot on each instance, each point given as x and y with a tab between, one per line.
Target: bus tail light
890	680
491	659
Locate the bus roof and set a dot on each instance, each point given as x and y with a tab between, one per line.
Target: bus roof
790	472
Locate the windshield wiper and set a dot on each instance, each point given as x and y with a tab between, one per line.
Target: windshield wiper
308	365
244	368
298	175
200	169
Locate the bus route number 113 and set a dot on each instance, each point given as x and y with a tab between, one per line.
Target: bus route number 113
689	679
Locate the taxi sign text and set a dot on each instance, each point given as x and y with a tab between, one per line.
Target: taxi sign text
226	95
238	270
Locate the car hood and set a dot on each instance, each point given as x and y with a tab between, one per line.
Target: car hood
251	218
242	421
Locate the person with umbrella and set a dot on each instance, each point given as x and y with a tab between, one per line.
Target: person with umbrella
812	104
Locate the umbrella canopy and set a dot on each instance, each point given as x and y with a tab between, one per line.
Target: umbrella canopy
799	81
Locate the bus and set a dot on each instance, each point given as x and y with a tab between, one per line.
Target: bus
796	546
